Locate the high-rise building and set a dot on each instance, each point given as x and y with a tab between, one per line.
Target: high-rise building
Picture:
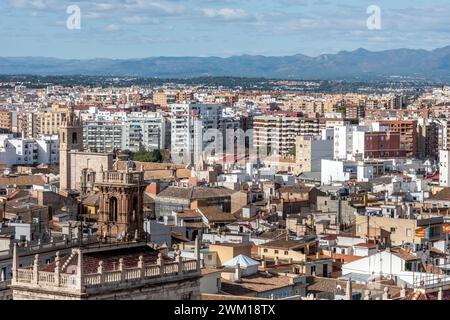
6	121
408	134
278	133
189	124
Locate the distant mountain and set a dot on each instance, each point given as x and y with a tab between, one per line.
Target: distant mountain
345	65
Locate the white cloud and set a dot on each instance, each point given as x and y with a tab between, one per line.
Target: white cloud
112	28
225	13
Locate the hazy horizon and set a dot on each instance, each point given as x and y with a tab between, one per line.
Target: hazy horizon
136	29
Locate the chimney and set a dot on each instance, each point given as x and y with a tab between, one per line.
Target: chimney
238	273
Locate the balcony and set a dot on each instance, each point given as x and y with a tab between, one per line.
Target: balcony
121	177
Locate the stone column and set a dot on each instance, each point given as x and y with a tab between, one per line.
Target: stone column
141	266
15	263
57	269
197	252
160	263
349	291
80	269
36	269
100	271
122	271
179	260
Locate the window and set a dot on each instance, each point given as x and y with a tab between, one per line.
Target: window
276	251
358	228
286	253
408	232
265	250
186	296
313	269
393	230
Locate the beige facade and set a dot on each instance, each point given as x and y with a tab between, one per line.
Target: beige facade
398	230
50	122
227	251
6	120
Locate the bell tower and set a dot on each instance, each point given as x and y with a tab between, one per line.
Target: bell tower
70	139
121	214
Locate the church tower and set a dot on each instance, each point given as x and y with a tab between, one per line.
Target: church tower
121	205
70	139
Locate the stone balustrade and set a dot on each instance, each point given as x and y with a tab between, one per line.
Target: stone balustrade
52	280
122	177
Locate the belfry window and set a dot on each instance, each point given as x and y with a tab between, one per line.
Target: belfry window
74	138
113	209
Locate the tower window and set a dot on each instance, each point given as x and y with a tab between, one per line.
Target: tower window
74	138
113	209
64	137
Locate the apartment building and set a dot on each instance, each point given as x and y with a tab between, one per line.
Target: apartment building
309	150
6	121
120	131
278	133
408	134
189	126
29	151
50	121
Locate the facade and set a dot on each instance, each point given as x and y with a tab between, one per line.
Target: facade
29	151
121	207
277	133
49	122
189	126
128	271
78	168
408	134
309	152
133	132
6	121
444	170
381	145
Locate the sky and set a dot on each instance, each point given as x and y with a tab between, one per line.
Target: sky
125	29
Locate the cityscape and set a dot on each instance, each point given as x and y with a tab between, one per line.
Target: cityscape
253	176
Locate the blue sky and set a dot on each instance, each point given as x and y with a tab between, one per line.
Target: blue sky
145	28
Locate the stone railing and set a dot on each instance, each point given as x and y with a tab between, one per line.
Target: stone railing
73	283
122	177
52	245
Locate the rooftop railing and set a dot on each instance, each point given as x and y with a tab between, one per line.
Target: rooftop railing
57	281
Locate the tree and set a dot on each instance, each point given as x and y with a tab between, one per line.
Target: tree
147	156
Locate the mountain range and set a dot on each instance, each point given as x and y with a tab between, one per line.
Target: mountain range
360	64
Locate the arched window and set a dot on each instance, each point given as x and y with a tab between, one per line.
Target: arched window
74	138
113	209
135	207
64	137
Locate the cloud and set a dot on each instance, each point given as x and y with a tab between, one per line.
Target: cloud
225	13
112	28
140	20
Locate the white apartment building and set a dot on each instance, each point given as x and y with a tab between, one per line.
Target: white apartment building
109	132
18	151
189	125
348	141
444	172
